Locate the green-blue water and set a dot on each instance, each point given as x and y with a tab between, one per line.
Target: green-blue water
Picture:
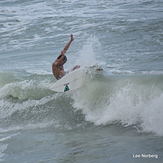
116	116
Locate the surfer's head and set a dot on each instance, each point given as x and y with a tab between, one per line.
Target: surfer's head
65	59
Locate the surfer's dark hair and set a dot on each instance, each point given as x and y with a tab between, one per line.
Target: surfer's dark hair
59	56
64	58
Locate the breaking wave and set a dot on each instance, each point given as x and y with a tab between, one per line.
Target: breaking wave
127	99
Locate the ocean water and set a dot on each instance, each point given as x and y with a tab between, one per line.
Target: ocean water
117	116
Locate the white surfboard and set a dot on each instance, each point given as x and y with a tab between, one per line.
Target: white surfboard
74	79
71	81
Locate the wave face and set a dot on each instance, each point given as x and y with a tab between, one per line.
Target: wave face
130	100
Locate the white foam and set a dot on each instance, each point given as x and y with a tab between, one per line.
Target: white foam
152	72
2	149
5	138
116	71
152	116
30	126
129	105
38	72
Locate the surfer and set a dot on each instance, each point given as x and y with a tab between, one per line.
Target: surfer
57	66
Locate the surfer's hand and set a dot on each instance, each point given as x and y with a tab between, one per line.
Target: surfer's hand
72	37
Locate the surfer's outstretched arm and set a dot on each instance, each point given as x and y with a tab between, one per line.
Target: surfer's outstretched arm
67	46
62	56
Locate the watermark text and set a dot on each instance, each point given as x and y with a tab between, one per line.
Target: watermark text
154	156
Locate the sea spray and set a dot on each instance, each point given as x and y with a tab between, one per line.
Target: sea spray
89	52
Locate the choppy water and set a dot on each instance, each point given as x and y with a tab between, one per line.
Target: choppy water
116	115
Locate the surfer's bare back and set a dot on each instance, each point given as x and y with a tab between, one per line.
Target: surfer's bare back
57	66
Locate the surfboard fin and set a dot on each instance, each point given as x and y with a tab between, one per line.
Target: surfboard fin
66	88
